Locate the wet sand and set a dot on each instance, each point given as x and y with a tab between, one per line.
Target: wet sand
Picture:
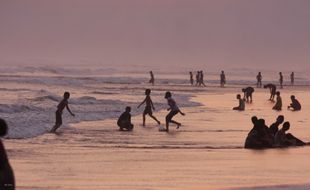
206	153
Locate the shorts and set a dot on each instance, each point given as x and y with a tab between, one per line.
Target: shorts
147	110
58	118
171	114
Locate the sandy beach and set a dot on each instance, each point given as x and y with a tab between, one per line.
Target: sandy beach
205	153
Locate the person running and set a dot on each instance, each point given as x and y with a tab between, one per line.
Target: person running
223	79
274	128
292	78
124	121
152	79
259	80
283	139
61	106
272	89
7	179
241	106
278	105
202	79
248	91
174	109
281	79
191	78
149	106
295	105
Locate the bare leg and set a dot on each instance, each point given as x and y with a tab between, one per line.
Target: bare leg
177	123
143	117
55	128
155	119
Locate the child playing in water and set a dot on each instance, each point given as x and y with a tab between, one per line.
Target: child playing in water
61	106
148	107
241	106
124	121
174	109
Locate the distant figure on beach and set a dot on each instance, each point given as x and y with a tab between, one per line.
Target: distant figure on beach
7	180
223	79
197	78
283	139
148	107
281	79
259	80
272	89
292	78
201	80
152	79
248	91
174	109
124	121
278	105
241	106
61	106
295	105
191	78
274	128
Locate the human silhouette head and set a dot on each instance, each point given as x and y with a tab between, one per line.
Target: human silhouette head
238	96
280	119
286	126
261	122
3	128
254	120
278	93
293	97
147	91
280	73
128	109
243	89
222	72
259	73
265	86
66	95
168	95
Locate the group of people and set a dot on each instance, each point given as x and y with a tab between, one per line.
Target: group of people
262	136
259	79
124	121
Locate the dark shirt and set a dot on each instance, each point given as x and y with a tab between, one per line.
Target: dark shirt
296	105
124	118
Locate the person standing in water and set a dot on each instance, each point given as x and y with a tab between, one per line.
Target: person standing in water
241	106
281	79
148	107
272	89
292	78
191	78
197	78
223	79
248	91
259	80
152	79
61	106
7	179
295	105
174	109
202	79
278	105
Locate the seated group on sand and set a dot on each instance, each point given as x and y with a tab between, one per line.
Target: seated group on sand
262	136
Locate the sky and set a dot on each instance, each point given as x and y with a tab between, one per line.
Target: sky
211	34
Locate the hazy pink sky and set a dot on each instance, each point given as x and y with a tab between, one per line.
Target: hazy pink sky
201	33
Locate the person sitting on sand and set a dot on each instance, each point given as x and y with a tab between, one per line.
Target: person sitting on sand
272	89
278	105
124	121
148	107
7	180
283	139
174	109
295	105
61	106
248	91
241	106
274	128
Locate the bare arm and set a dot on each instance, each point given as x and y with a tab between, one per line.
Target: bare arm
181	112
67	106
142	103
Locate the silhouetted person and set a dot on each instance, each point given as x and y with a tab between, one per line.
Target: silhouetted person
201	80
148	107
278	105
241	106
292	78
191	78
295	105
124	121
281	79
272	89
197	78
7	180
274	128
283	139
152	79
174	109
223	79
61	106
259	80
248	91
